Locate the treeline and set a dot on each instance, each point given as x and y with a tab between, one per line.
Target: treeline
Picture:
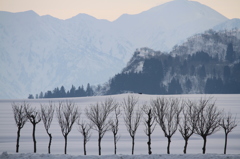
170	114
167	74
207	63
62	93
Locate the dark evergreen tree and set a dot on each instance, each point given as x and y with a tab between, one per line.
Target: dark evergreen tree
48	94
56	93
226	73
62	92
174	87
192	70
30	96
201	57
188	85
72	92
41	95
202	72
184	68
236	72
89	90
214	86
230	55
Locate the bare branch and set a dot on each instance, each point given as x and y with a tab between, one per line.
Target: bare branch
188	122
19	114
20	119
167	111
131	120
149	123
98	115
34	117
47	113
208	119
228	123
85	129
67	114
114	123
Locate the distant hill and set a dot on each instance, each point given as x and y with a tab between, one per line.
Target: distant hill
207	63
38	53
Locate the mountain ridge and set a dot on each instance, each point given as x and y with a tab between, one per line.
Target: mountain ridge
49	52
193	67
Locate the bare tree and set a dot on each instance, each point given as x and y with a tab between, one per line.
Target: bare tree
228	123
208	121
188	123
20	119
34	117
114	123
67	114
98	115
150	124
85	130
167	113
132	117
47	113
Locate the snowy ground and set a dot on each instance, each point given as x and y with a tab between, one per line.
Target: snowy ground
215	143
5	155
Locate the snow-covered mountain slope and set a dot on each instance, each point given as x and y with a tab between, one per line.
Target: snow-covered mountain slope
161	27
39	53
228	25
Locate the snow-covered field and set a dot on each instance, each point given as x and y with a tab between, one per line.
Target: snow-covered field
215	143
5	155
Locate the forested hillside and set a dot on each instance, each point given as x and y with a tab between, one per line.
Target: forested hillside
205	63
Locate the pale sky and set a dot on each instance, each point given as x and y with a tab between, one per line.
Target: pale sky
106	9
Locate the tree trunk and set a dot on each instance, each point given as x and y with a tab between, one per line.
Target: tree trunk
99	144
168	147
65	148
115	144
18	137
185	146
133	143
149	144
34	139
84	146
225	146
204	144
50	141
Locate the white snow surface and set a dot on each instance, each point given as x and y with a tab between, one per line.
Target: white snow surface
214	148
5	155
40	53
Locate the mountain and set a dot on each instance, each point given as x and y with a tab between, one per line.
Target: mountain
38	53
207	63
162	27
228	25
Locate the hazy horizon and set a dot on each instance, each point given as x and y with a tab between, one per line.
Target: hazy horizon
109	10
